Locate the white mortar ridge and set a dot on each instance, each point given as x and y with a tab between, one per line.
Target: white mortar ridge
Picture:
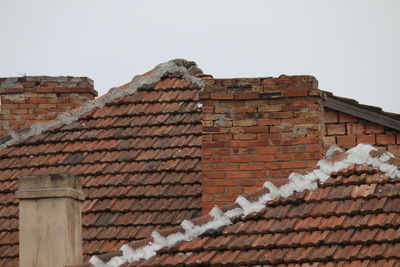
174	68
359	155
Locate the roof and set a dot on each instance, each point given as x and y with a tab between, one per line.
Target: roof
346	211
136	150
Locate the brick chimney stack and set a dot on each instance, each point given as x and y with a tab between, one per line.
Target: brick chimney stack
257	130
25	100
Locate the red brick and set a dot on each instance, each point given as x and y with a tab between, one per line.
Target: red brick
221	151
221	96
256	129
226	167
346	140
295	92
214	144
32	117
264	122
370	139
374	128
247	122
207	167
47	106
355	128
335	129
234	190
385	139
38	100
307	156
251	167
207	123
248	136
221	137
213	175
281	115
207	109
398	139
296	164
19	111
267	150
331	116
329	140
213	159
245	143
50	84
343	117
27	106
284	157
247	96
308	140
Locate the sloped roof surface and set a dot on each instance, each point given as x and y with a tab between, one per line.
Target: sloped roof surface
352	217
137	158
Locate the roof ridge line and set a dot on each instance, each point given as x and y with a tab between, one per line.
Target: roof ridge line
178	68
362	154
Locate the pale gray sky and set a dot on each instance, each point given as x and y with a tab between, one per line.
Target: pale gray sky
352	47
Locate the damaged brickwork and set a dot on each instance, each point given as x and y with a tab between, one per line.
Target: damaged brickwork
37	99
255	130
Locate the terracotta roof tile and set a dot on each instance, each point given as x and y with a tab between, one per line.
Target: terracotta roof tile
346	223
138	160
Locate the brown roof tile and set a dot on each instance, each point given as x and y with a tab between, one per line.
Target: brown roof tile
138	160
346	223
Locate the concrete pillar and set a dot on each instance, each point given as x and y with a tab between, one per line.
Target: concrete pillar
50	227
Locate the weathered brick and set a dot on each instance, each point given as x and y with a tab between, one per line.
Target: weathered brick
329	140
247	96
226	167
295	92
248	136
355	128
222	96
370	139
374	128
343	117
246	122
335	129
385	139
270	108
269	133
19	111
281	115
346	140
251	167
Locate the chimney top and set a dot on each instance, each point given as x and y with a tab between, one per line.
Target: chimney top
46	84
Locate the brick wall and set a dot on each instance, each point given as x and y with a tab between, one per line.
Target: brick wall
26	100
256	130
347	131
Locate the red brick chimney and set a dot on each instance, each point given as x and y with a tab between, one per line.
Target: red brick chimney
256	130
25	100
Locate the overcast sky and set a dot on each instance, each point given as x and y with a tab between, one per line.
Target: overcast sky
351	47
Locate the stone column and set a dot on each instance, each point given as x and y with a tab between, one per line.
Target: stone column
50	227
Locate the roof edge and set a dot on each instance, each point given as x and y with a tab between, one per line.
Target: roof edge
178	68
361	111
362	154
